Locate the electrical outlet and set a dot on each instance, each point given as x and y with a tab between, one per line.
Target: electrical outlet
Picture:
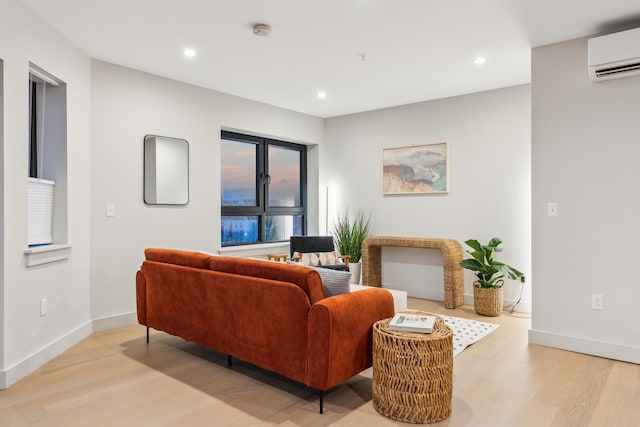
43	307
596	302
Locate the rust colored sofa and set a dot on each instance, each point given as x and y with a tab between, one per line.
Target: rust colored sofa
270	314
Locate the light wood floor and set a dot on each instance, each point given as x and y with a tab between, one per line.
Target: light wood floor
114	378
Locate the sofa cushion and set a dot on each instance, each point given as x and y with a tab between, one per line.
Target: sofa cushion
334	282
177	257
306	278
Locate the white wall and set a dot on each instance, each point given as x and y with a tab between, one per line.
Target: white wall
585	158
127	105
28	338
490	165
2	379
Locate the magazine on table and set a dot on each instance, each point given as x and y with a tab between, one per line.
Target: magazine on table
407	322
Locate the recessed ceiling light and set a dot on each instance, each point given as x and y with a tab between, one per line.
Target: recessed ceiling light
480	60
322	95
189	53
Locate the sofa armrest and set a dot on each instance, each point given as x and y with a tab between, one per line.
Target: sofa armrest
341	333
141	298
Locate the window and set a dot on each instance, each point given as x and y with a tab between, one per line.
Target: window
47	207
263	189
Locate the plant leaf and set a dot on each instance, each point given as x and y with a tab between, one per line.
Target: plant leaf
488	269
495	242
474	244
349	235
472	264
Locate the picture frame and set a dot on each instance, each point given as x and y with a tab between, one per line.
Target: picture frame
416	169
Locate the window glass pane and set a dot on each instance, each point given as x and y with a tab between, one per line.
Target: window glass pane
284	170
238	173
33	128
239	229
281	227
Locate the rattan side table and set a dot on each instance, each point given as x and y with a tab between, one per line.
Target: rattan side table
413	373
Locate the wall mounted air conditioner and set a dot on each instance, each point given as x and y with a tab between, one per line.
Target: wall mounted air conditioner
616	55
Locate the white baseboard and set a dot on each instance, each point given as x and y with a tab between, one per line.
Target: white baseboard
521	308
585	346
28	365
112	322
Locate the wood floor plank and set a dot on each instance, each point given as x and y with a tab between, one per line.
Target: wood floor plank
114	378
619	403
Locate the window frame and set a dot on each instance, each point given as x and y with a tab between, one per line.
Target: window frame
47	160
262	209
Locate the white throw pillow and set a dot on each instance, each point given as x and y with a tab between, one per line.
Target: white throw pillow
328	258
334	282
310	259
317	258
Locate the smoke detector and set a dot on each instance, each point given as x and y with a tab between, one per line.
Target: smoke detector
261	30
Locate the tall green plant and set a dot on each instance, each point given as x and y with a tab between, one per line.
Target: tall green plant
489	271
350	235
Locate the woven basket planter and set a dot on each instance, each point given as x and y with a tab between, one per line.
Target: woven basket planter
487	301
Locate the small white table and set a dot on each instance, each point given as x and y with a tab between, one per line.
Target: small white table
399	297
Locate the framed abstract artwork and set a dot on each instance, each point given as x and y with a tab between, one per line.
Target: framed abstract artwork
417	169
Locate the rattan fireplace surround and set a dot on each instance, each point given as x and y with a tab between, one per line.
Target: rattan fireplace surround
451	254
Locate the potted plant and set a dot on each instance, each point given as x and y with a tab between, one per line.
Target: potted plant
349	237
490	273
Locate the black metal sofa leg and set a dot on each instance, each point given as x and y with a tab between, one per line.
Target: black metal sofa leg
321	401
147	335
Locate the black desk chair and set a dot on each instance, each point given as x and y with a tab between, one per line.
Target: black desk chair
316	244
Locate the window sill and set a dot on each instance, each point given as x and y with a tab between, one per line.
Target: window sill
48	253
255	250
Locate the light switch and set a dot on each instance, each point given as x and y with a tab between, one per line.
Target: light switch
552	209
111	209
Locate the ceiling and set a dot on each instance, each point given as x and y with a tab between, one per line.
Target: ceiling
364	54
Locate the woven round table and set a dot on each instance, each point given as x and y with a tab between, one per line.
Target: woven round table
413	373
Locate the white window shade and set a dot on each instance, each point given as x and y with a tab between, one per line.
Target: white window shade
40	209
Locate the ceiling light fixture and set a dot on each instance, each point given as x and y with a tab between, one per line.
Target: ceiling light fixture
480	60
189	53
322	95
261	30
